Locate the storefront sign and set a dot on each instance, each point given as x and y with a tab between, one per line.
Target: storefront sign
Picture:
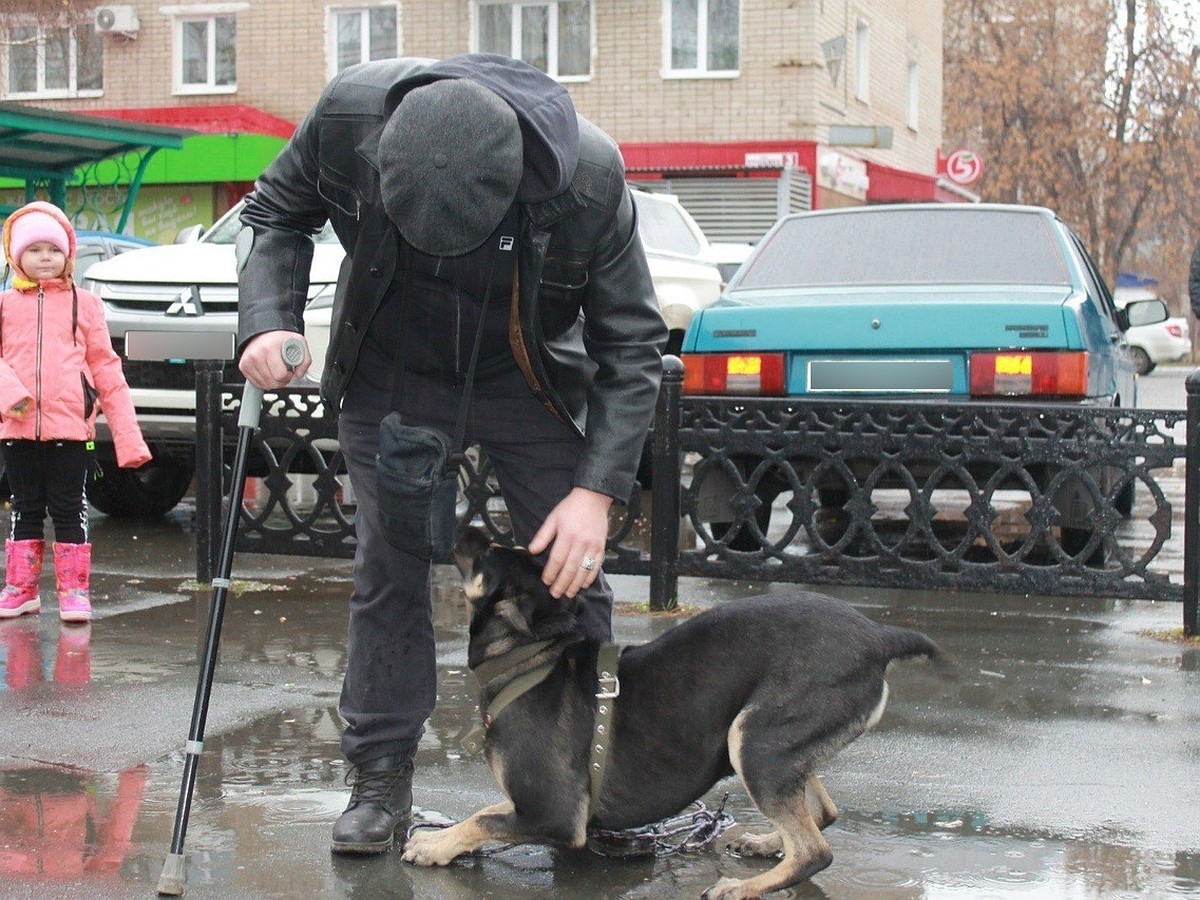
963	166
844	174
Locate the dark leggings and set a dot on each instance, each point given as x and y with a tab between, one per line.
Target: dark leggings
48	476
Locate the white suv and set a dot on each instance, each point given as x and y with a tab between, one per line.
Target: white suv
192	287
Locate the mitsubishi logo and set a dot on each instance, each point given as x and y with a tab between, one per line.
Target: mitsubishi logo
187	303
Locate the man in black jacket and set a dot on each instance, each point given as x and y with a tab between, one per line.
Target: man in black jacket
469	196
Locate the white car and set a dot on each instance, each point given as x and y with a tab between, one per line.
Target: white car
192	287
729	257
1161	342
686	279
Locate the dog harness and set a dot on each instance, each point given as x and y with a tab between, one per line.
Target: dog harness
608	688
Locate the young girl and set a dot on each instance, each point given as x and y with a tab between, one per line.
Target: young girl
56	362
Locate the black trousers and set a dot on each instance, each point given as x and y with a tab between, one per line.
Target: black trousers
48	476
391	674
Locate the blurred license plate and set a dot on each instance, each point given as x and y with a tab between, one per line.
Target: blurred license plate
881	375
178	346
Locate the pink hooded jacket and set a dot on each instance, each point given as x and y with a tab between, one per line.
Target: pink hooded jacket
59	354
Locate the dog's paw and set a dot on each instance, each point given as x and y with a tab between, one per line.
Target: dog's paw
768	844
429	848
727	889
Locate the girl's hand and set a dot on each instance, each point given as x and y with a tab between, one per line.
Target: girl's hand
20	410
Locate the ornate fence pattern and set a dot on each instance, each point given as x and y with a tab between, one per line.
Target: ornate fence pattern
1058	500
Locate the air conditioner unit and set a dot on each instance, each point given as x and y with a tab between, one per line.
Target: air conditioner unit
117	19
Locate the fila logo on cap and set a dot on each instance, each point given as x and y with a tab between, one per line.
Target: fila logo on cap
506	242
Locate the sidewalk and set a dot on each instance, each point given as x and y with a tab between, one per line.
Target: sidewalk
1061	763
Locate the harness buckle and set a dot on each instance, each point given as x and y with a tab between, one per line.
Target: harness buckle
610	686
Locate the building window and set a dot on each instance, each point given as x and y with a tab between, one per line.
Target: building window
702	37
361	34
914	96
206	54
53	62
862	61
554	37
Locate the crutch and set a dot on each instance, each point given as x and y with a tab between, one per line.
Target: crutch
173	879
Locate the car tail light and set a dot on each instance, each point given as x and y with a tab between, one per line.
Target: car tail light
1174	329
1029	373
738	374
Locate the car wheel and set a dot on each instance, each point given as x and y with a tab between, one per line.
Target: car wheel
674	343
146	493
744	541
1141	361
1074	540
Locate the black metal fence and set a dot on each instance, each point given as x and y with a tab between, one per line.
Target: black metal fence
1015	498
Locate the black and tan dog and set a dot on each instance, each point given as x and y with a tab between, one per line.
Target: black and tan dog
767	688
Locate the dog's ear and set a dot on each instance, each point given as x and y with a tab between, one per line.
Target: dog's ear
470	544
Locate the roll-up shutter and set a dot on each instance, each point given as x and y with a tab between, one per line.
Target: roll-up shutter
739	209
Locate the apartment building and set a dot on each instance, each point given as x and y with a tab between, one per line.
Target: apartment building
744	108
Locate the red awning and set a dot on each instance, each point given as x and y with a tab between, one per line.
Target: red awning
891	185
219	118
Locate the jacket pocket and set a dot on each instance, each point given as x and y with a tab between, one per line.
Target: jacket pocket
564	279
339	194
90	396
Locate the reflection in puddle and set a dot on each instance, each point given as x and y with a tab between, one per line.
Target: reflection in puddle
29	657
57	825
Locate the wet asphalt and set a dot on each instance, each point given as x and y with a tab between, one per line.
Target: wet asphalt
1061	762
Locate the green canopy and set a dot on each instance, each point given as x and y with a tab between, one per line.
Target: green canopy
46	147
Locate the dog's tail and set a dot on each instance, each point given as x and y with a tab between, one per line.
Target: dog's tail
905	643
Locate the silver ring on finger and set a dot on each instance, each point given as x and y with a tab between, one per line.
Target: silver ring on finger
587	564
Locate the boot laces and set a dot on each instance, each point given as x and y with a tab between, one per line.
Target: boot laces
374	787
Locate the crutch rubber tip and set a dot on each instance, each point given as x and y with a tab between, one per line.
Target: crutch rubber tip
172	880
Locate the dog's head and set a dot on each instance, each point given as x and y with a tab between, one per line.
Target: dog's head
510	604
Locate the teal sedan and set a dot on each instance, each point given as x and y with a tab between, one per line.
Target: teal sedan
929	301
913	304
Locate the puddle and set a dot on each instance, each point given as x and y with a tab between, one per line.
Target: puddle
267	794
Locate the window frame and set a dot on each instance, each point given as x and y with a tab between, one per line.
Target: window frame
552	44
912	106
41	92
201	12
364	11
701	70
862	60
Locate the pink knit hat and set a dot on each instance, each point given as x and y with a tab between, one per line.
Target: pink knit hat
33	226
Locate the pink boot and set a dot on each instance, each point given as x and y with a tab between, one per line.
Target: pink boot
73	568
23	569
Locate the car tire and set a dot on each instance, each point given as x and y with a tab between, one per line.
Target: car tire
1074	540
674	343
149	492
1142	363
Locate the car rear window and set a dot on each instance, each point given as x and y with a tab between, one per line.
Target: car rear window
662	227
910	246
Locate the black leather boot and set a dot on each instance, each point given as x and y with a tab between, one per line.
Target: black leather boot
380	805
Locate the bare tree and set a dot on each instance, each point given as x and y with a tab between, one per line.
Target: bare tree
33	29
1086	106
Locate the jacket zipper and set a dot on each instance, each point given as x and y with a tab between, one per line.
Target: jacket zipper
37	427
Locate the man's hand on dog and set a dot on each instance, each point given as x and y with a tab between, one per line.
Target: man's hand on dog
575	530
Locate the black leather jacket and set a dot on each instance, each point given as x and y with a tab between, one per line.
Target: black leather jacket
590	333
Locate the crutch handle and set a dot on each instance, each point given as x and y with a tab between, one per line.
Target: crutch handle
292	351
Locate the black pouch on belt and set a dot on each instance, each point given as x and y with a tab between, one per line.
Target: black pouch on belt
417	480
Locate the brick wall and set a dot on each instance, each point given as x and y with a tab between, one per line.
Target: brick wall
782	90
